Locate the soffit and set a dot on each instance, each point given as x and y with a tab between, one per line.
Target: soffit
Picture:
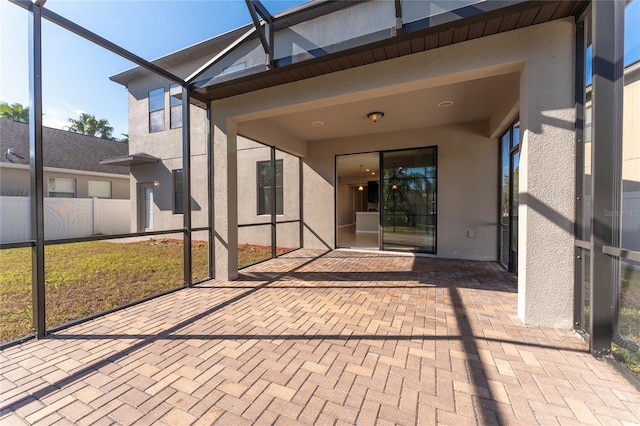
473	101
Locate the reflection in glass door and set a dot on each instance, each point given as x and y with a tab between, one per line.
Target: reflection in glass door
510	171
409	200
357	206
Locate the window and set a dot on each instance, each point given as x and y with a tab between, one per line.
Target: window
61	187
265	178
175	103
99	189
156	110
177	192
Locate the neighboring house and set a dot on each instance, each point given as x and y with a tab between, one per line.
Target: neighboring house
72	166
429	106
630	236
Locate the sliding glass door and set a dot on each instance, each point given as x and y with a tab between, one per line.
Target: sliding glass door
409	200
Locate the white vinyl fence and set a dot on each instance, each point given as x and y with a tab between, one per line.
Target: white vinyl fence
64	218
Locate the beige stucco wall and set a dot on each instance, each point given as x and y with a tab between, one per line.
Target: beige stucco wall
249	154
544	54
466	182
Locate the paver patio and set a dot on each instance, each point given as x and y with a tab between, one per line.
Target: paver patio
319	338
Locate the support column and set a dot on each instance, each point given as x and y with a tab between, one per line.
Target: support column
36	162
547	184
225	193
186	184
606	165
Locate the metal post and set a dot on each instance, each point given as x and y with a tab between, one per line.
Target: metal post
36	162
186	182
211	252
301	199
273	203
578	316
606	165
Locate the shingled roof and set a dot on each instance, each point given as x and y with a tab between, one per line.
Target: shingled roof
62	149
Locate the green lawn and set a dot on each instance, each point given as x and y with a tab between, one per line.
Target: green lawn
91	277
629	317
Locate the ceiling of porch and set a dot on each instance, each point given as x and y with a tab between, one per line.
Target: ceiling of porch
473	100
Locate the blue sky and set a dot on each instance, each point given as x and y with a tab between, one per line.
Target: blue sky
76	72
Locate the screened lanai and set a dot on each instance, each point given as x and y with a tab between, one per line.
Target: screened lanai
193	211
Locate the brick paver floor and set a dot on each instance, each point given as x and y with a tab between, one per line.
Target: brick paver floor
319	338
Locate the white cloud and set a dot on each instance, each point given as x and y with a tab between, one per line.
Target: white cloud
52	118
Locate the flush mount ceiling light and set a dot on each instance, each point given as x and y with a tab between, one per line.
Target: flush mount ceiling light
375	116
318	123
445	104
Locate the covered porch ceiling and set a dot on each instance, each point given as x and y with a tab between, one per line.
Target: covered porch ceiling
459	102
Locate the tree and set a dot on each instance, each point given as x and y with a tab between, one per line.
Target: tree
15	112
88	124
124	138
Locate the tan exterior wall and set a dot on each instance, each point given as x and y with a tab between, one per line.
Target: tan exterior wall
15	182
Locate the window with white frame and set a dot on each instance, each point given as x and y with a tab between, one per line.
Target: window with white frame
175	104
156	110
61	187
99	189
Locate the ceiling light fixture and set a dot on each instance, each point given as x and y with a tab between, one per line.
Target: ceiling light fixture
445	104
317	123
375	116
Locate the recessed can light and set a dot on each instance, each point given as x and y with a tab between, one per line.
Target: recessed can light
318	123
445	104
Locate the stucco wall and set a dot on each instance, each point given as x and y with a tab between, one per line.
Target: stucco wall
166	145
249	154
466	182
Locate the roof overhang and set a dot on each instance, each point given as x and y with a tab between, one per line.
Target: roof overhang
494	17
138	159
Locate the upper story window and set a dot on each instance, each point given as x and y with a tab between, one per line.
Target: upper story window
265	195
61	187
175	104
156	110
99	189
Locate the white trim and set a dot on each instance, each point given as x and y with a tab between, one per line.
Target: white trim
67	171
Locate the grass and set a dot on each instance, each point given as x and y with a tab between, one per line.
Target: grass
629	318
91	277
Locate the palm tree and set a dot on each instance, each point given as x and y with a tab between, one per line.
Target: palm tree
15	112
89	125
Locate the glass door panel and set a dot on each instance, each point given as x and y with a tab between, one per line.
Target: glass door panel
357	206
515	161
505	236
409	200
